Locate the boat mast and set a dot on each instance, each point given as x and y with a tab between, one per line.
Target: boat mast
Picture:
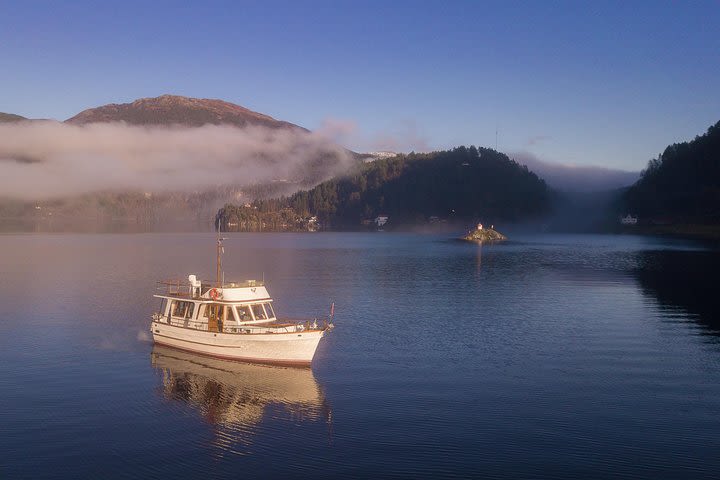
220	251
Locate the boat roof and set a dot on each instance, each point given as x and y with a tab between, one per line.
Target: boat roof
210	300
211	284
231	292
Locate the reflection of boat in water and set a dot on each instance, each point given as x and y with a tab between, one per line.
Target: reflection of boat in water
233	320
236	394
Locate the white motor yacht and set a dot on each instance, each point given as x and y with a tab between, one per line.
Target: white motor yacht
233	320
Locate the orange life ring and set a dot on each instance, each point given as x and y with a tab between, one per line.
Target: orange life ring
214	294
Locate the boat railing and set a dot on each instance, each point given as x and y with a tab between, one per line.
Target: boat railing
309	324
245	283
182	322
175	288
181	288
285	327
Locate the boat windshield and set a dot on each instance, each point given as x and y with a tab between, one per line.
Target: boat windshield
243	313
259	312
269	310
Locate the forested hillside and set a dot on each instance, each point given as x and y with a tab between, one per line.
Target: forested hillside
682	184
465	183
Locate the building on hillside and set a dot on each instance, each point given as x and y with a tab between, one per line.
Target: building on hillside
381	220
628	220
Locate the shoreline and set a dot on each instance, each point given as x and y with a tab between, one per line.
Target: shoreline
703	232
686	231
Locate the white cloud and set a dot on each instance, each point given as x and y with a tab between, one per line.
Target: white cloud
40	160
404	136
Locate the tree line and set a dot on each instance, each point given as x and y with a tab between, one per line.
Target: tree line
682	184
465	183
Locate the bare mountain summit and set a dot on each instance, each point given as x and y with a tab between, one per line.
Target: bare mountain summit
10	117
160	183
177	110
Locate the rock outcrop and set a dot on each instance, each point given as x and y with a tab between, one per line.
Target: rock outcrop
484	235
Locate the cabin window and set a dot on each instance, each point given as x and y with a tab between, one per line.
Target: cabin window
243	313
269	310
182	309
224	312
210	309
259	312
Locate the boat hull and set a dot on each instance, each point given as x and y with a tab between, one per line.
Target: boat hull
296	348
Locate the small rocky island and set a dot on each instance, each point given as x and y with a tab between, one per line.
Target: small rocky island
484	235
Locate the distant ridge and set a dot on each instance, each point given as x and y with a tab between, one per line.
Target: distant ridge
10	117
178	110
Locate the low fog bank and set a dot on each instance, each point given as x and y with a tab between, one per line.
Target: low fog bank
570	178
50	160
578	212
575	212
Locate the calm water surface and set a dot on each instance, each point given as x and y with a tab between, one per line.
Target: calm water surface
546	357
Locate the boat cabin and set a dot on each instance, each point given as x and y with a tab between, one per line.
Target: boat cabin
234	321
228	308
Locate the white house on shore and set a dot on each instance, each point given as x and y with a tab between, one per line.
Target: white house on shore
628	220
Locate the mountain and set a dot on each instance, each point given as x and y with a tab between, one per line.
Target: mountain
465	184
285	159
177	110
682	185
10	117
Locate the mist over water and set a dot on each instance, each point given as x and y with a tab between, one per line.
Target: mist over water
43	159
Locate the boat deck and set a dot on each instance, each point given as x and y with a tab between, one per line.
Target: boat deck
249	329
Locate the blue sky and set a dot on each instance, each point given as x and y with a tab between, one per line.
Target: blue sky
587	83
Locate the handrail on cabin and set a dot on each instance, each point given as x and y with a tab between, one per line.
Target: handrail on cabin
178	287
209	284
257	329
